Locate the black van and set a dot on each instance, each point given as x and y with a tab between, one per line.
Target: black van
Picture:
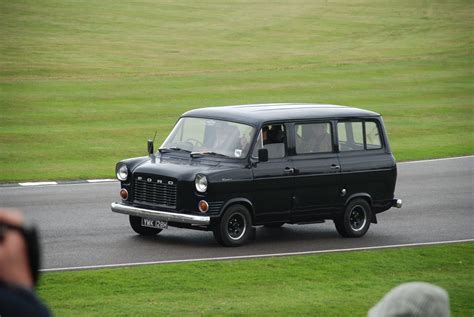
230	169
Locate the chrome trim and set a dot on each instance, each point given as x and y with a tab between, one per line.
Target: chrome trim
398	203
160	215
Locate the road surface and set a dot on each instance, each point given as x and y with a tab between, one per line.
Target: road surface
78	230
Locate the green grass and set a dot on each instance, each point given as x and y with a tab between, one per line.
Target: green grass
83	84
338	284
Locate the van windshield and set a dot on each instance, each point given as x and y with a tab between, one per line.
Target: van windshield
210	137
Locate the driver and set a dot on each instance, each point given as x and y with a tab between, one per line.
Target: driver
227	138
221	129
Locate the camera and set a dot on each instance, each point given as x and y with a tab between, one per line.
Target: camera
30	234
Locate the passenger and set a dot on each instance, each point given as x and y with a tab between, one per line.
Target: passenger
275	142
244	143
273	134
316	139
265	137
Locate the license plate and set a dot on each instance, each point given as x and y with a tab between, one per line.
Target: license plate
153	223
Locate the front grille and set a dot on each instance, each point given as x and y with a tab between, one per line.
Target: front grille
215	206
152	192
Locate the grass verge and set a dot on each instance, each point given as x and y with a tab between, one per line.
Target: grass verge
84	84
339	284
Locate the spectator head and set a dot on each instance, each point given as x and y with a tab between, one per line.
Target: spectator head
413	299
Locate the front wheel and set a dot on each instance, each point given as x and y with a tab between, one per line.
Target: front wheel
136	224
356	219
234	228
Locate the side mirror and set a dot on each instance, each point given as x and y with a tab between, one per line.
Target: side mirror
151	150
262	155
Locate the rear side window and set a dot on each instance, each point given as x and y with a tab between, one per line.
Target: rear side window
351	136
313	138
358	135
372	136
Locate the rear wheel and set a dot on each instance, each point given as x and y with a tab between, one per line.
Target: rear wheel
136	224
234	228
356	219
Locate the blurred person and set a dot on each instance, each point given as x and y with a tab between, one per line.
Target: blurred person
265	138
19	263
415	299
222	135
227	139
318	139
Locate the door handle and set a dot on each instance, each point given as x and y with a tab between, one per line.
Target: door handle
289	170
335	167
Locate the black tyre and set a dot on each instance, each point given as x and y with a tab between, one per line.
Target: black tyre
274	225
234	228
356	219
136	224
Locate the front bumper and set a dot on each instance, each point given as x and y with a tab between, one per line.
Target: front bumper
160	215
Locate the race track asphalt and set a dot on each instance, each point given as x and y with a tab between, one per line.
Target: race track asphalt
78	229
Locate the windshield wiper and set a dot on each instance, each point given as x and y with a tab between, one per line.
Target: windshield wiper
172	148
197	154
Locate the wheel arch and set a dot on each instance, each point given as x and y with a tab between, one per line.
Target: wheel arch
366	197
243	201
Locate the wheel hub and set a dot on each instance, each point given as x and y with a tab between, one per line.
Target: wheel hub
357	218
236	226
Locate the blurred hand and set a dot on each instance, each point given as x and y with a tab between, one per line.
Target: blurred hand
14	266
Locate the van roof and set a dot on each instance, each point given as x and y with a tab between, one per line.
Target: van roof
256	114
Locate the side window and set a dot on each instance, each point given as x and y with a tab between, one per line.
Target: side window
351	136
372	136
273	138
313	138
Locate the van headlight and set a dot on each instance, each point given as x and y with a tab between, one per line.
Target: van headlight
122	172
201	183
